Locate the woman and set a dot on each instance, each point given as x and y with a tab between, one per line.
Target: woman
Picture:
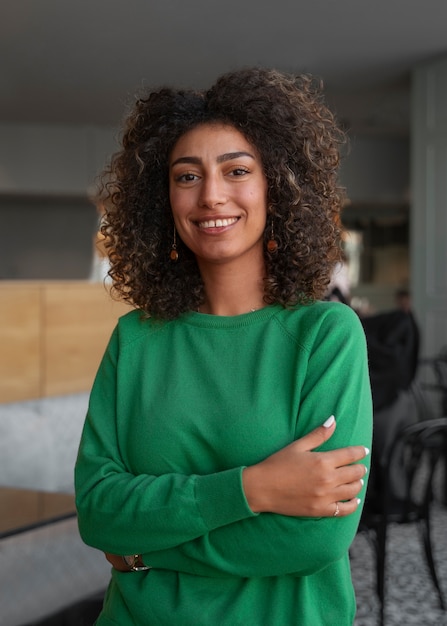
209	470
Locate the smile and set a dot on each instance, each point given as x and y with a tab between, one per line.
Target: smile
218	223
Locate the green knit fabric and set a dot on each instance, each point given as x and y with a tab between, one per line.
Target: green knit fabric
177	410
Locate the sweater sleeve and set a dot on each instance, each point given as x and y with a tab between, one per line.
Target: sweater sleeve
122	513
336	382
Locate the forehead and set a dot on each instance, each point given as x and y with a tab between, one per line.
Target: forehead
214	139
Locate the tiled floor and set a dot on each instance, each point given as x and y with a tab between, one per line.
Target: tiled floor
410	596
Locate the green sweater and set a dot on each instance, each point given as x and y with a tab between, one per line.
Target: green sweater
177	410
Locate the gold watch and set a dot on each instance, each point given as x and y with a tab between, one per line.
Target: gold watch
135	563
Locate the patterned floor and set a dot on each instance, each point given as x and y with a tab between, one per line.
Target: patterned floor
410	595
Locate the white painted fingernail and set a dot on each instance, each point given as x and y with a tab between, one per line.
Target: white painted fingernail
366	451
358	500
362	481
330	420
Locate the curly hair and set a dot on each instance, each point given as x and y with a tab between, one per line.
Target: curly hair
297	137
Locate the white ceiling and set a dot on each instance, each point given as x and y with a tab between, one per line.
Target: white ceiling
80	61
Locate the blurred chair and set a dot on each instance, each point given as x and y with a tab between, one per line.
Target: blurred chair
393	355
416	452
393	350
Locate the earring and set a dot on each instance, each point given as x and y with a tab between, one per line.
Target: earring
272	244
173	255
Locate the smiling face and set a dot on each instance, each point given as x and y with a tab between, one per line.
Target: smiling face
218	194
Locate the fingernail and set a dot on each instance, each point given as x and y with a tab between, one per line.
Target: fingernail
330	420
366	451
362	481
358	500
366	469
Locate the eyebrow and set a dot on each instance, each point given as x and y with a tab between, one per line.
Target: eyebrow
228	156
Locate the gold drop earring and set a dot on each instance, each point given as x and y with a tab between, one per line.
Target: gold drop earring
173	255
272	244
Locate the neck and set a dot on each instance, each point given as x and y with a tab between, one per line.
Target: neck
228	307
228	292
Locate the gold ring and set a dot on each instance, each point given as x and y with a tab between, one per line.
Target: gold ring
337	510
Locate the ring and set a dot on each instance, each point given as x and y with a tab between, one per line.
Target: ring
337	510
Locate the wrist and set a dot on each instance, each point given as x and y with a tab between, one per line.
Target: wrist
253	487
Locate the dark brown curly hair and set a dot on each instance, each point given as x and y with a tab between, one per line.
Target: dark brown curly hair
285	118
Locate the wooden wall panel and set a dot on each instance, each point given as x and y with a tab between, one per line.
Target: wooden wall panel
78	321
20	337
52	336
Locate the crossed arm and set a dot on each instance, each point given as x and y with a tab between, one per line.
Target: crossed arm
296	481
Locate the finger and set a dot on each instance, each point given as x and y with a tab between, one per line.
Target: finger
350	473
349	491
348	455
343	508
317	436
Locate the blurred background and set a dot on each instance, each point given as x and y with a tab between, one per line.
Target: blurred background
68	72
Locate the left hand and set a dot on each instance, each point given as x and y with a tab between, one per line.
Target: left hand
117	562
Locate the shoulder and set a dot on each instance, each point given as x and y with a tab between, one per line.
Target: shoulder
320	320
136	325
329	311
321	313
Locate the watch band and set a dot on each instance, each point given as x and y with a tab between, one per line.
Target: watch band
135	563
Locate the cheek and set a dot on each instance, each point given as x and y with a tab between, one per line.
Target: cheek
177	201
258	201
256	194
259	193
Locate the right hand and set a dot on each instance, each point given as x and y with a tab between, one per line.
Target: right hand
299	482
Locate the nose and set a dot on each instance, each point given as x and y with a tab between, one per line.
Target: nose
212	191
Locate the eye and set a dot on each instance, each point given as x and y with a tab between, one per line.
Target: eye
186	178
239	171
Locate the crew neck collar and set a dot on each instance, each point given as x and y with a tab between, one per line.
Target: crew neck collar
230	321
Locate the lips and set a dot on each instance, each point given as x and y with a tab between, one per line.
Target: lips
218	223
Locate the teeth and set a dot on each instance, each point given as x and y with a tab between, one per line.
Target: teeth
217	223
